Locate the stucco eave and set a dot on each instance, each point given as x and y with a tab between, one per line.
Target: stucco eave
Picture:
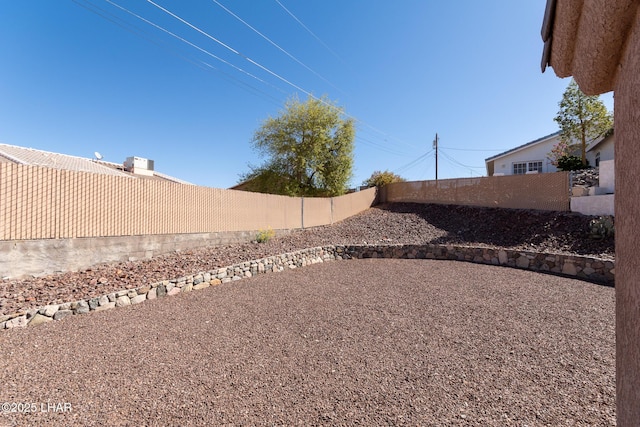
587	40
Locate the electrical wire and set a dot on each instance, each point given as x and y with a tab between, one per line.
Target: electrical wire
191	44
308	30
245	57
412	163
92	7
440	151
306	92
379	146
458	164
275	44
476	149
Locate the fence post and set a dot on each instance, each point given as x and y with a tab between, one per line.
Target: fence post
332	211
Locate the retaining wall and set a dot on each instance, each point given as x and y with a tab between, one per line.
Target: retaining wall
585	268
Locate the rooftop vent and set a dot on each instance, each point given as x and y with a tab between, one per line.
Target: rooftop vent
139	166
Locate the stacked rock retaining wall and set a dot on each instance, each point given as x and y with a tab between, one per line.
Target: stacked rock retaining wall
586	268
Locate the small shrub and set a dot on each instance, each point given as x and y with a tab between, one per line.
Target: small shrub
601	227
571	163
265	235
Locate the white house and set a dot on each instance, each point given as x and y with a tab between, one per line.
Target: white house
601	150
527	158
532	157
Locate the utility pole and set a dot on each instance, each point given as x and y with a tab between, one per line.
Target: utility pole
435	146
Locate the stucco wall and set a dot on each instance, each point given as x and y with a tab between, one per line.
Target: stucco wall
594	205
607	176
627	125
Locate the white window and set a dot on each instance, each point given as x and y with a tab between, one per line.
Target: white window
535	167
519	168
523	167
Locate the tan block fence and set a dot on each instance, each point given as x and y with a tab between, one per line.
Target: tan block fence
57	220
547	191
44	203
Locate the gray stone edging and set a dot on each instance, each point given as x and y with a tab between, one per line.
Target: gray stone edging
585	268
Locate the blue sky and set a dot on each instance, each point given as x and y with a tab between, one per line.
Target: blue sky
95	75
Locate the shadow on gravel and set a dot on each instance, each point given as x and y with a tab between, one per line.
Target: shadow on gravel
537	230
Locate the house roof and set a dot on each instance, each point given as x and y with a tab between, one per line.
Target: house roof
33	157
520	147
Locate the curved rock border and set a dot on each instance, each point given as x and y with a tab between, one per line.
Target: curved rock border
585	268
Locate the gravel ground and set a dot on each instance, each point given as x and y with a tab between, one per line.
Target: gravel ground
361	342
553	232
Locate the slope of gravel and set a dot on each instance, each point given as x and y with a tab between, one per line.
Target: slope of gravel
540	231
363	342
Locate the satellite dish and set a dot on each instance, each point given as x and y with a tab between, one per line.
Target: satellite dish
98	155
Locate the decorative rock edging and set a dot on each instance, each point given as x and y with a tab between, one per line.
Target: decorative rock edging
586	268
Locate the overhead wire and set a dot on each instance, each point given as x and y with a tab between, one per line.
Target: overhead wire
191	44
308	30
275	44
231	49
443	152
243	56
92	7
475	149
379	146
458	164
413	163
239	69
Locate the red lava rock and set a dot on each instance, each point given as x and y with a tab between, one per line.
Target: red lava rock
397	223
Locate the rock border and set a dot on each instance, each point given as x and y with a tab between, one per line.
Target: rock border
586	268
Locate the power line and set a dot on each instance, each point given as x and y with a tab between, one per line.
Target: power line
412	163
475	149
308	30
191	44
182	39
461	164
92	7
380	147
306	92
456	163
274	44
204	33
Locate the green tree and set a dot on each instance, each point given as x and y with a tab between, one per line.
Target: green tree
379	179
582	118
309	148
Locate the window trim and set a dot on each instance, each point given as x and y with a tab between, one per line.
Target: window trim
527	166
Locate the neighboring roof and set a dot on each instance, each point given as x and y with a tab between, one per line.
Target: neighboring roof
520	147
33	157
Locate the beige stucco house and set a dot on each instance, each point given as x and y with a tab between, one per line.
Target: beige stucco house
598	43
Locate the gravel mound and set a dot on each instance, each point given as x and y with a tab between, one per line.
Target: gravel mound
407	223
